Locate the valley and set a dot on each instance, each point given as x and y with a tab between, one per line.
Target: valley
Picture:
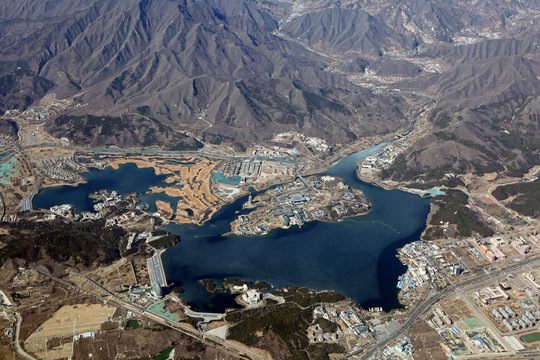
273	179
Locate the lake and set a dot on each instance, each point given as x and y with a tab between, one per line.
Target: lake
356	256
127	179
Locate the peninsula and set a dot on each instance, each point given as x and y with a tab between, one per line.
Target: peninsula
320	198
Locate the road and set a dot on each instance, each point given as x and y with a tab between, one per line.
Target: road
202	315
16	344
230	349
489	194
122	151
3	207
511	211
484	319
490	190
442	295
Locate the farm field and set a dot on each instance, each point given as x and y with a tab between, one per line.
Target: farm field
54	338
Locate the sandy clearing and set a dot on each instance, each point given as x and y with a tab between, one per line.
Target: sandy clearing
486	200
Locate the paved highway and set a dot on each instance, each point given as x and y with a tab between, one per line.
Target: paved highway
122	151
442	295
238	352
16	343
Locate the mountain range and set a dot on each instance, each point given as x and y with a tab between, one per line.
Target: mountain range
240	71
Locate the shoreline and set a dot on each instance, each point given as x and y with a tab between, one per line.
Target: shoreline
147	164
390	255
214	210
341	219
323	165
385	186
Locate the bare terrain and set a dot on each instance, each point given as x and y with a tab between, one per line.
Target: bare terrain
220	96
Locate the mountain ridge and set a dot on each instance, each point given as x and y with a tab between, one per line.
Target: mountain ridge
246	70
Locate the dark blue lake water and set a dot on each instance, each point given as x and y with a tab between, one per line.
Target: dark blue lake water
127	179
356	256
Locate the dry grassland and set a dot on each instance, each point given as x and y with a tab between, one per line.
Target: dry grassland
119	274
457	309
174	192
190	181
53	340
36	154
426	342
164	209
42	349
75	319
262	353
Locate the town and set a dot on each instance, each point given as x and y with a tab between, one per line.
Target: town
322	198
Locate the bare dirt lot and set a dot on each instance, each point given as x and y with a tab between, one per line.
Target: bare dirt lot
149	340
426	342
54	338
115	277
190	179
75	319
457	309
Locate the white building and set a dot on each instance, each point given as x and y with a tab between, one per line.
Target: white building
252	297
240	288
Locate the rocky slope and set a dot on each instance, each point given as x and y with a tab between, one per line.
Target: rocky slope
487	116
241	71
196	65
8	128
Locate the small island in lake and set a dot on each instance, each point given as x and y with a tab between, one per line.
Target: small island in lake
322	198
